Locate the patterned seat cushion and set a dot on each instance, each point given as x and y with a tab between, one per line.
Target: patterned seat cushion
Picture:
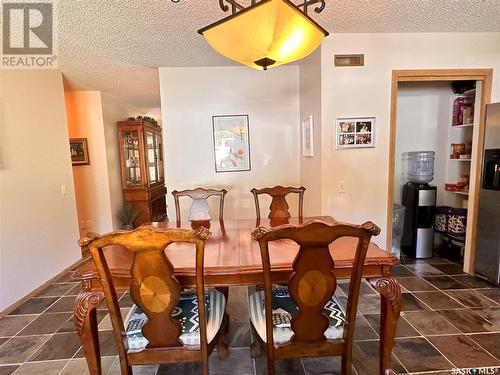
187	312
284	309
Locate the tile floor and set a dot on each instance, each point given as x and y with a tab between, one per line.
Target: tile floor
450	320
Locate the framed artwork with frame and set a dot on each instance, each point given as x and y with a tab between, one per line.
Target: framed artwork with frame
308	137
231	143
355	132
79	151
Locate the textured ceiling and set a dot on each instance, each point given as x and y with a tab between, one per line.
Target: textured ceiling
116	46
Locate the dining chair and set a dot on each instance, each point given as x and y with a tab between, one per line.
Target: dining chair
199	208
164	325
307	319
279	206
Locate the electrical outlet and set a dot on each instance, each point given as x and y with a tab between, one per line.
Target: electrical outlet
64	190
342	187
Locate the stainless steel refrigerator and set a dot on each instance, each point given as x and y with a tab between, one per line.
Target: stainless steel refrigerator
488	226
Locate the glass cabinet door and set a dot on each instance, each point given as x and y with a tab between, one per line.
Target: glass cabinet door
159	157
151	156
131	157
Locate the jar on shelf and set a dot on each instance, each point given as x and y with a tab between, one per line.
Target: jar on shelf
459	106
467	114
457	149
463	182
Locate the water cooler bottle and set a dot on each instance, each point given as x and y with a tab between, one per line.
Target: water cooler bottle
419	198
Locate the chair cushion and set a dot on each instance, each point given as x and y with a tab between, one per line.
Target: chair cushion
284	309
187	312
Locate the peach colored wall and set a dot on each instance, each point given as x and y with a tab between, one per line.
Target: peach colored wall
85	120
99	195
38	223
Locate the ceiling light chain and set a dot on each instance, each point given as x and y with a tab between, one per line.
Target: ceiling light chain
236	7
307	3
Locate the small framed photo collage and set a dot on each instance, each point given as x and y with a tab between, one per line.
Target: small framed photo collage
355	132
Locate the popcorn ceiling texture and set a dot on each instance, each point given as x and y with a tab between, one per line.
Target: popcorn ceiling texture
116	46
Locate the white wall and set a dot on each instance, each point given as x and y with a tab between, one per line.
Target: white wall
366	91
191	96
423	124
310	104
39	229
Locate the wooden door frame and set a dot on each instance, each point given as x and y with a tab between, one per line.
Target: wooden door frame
429	75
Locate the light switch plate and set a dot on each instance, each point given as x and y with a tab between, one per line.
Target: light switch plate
342	188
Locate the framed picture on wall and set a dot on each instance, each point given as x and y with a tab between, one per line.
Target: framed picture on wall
355	132
79	151
231	143
308	137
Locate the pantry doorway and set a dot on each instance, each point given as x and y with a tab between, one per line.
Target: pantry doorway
405	86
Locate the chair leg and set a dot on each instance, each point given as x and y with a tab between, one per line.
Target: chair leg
390	297
204	365
255	350
258	347
222	339
255	347
346	364
125	368
84	316
270	364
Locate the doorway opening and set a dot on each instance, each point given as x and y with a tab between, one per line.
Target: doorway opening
423	119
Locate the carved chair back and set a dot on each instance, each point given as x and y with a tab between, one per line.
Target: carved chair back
156	291
279	206
311	285
199	207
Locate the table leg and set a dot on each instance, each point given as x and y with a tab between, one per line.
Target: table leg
85	318
390	297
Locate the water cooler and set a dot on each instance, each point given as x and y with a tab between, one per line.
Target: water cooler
419	198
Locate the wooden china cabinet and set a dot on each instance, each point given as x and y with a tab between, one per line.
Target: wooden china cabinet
142	170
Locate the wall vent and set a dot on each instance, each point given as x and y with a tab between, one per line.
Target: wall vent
349	60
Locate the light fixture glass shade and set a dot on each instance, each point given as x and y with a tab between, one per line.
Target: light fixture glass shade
269	33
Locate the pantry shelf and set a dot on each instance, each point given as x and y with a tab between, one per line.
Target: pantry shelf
466	193
471	92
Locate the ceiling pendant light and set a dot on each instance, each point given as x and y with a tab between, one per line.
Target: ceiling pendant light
267	33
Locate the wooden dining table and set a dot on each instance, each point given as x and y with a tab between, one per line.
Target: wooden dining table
232	257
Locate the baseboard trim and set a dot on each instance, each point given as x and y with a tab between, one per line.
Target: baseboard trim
29	296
